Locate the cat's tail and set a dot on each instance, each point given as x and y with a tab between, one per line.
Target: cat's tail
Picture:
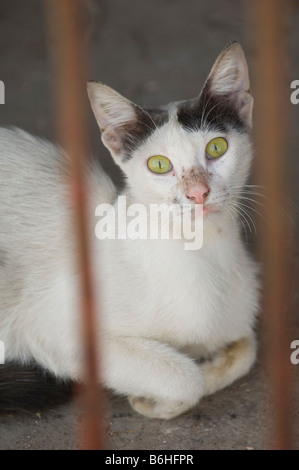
28	388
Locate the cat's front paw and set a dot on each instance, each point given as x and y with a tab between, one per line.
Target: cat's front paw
155	408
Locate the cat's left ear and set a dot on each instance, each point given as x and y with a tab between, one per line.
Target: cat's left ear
229	78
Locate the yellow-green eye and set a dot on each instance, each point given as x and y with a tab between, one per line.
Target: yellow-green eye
216	148
159	164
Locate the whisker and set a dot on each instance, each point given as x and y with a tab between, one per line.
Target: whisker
254	201
239	217
291	203
281	207
254	210
246	215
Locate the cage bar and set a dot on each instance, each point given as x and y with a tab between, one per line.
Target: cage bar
272	133
70	70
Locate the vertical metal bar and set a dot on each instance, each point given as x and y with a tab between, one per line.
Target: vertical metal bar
272	140
70	65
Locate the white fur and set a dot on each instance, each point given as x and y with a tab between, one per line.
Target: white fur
156	297
162	307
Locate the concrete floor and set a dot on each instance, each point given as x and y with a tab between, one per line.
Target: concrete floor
153	53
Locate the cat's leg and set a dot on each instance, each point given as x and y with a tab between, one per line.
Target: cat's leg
229	364
159	381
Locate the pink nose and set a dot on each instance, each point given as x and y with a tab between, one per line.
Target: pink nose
199	193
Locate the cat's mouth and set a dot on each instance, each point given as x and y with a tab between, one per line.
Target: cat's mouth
207	210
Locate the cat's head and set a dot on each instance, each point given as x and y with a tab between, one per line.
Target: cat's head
196	151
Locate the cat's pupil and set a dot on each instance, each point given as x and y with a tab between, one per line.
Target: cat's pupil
160	166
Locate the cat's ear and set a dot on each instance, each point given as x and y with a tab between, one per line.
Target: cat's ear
229	79
114	114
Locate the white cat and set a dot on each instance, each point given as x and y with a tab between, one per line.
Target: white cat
175	324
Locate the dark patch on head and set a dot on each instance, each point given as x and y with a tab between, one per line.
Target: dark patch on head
215	112
136	132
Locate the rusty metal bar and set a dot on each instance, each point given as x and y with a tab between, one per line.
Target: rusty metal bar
276	247
70	66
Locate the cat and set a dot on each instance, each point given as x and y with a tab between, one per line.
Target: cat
175	324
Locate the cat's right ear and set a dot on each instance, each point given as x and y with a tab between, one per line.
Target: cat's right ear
114	115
